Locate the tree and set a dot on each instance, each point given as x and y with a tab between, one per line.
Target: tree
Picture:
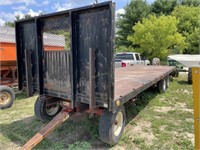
17	17
157	37
134	12
163	6
195	3
189	26
10	24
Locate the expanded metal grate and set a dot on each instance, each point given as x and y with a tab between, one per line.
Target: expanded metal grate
56	54
56	33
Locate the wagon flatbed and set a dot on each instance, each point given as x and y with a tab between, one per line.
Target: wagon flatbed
82	77
135	79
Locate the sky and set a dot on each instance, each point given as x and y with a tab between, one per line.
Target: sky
11	8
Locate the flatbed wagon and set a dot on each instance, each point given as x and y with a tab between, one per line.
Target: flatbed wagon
130	81
81	77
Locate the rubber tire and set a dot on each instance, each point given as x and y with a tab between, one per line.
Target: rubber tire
40	111
161	87
12	94
167	80
176	74
156	61
106	126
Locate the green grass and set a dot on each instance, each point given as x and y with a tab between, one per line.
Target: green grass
154	121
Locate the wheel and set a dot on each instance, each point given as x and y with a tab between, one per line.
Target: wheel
167	81
156	61
111	125
161	85
7	97
176	73
46	113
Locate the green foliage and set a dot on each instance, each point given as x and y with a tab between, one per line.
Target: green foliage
10	24
189	26
158	37
190	2
164	6
124	49
134	12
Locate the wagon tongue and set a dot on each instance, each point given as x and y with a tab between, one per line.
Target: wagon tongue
57	120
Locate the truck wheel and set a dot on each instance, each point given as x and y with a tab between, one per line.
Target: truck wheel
156	61
161	85
111	125
167	81
176	74
7	97
46	113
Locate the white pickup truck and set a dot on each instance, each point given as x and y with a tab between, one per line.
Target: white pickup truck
124	59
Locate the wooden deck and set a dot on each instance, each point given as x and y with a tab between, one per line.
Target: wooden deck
138	78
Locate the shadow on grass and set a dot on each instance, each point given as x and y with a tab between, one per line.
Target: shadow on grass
183	82
133	107
21	95
19	131
79	132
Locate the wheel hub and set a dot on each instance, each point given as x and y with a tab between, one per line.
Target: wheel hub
118	123
164	85
53	109
5	97
167	82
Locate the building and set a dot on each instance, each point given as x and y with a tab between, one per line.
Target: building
8	45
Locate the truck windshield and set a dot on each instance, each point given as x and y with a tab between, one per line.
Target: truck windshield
124	56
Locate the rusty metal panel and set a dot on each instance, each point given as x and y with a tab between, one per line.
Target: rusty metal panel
71	34
57	72
29	81
26	41
94	30
92	98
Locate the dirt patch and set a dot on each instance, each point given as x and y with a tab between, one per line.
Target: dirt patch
162	99
163	109
189	119
185	135
9	146
157	117
178	106
190	136
183	107
162	128
117	147
143	130
184	91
